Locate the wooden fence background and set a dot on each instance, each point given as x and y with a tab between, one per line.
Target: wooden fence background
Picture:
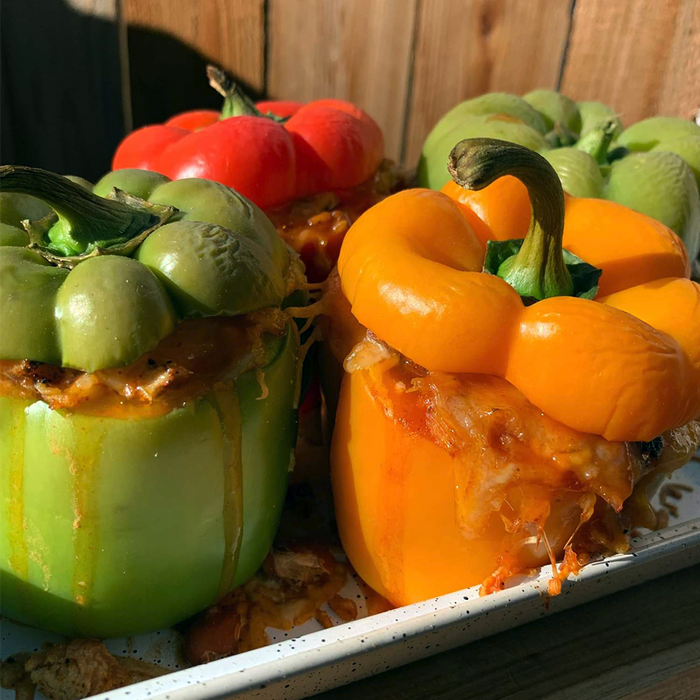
77	74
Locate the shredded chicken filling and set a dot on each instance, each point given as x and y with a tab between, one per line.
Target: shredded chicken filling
78	669
188	363
297	583
550	488
315	227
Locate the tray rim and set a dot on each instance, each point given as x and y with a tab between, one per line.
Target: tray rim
256	669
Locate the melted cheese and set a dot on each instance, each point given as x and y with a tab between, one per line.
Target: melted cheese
550	491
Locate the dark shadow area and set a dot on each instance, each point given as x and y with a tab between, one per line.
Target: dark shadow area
61	94
168	77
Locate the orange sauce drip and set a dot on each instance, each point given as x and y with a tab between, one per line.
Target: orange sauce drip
18	555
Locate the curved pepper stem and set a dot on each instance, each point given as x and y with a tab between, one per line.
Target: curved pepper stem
597	141
236	102
538	270
83	223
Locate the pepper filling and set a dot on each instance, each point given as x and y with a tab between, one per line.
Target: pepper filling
188	363
530	484
315	227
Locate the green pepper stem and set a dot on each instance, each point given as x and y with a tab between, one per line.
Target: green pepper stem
236	102
597	141
83	217
538	270
560	136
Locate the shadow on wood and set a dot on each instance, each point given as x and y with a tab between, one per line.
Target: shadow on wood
61	92
168	77
61	100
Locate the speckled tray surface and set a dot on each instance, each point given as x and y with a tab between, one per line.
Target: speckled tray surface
309	659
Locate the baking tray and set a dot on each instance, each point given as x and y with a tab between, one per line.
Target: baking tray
308	659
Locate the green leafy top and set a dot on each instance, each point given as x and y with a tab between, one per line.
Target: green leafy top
584	276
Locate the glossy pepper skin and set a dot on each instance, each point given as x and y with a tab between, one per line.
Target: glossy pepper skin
321	146
589	364
426	296
114	525
134	525
652	167
66	317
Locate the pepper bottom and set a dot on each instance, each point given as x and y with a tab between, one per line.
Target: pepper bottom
112	527
442	482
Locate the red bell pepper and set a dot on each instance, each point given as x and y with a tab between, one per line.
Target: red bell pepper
196	119
289	152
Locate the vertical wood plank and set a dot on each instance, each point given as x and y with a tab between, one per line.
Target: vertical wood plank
680	90
356	50
170	43
640	56
468	47
61	104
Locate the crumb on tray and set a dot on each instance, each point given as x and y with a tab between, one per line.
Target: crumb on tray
72	671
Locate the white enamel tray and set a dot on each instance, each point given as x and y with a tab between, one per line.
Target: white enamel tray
309	660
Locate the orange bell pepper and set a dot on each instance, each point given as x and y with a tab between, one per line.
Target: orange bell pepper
588	225
424	505
412	273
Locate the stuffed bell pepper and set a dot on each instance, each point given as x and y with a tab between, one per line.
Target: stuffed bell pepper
314	168
149	382
653	166
509	403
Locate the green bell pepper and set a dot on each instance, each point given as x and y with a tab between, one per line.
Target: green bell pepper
114	525
495	115
652	167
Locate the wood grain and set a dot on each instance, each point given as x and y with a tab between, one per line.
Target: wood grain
171	41
646	678
640	56
61	101
356	50
685	686
680	89
468	47
640	644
